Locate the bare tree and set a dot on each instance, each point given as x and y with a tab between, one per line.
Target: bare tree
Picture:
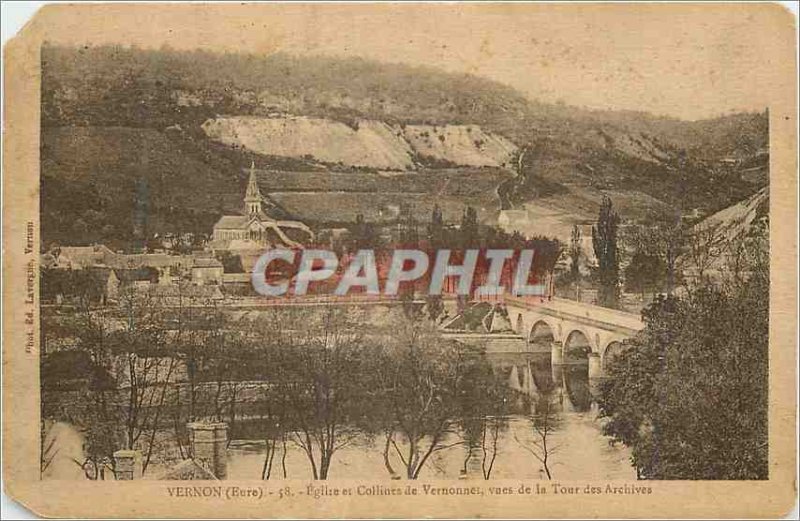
321	369
423	376
704	245
145	367
78	385
544	422
129	378
484	411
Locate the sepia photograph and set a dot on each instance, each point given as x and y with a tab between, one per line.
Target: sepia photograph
455	251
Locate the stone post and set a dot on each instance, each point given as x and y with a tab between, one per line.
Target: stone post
128	465
595	366
513	379
557	353
209	446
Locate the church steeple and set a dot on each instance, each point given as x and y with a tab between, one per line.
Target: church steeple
252	198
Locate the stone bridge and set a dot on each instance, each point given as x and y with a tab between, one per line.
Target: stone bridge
572	332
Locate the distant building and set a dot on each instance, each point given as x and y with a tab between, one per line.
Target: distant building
254	229
82	257
207	270
77	257
509	219
139	277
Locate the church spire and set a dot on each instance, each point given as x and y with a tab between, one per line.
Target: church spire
252	197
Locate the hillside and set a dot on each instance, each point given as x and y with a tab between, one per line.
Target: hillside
182	127
97	183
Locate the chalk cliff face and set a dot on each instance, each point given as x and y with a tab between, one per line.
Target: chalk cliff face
372	144
735	221
465	145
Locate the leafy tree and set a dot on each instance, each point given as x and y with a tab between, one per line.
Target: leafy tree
689	395
408	226
669	237
644	273
469	231
575	254
604	241
660	243
364	235
231	263
434	306
436	228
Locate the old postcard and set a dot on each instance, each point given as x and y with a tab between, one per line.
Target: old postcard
401	261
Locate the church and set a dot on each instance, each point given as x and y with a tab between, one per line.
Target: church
254	229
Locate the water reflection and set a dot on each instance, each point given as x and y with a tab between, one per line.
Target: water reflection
552	432
532	374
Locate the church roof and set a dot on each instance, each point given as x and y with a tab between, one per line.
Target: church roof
232	222
240	222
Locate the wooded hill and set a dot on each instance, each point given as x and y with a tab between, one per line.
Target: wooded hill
120	122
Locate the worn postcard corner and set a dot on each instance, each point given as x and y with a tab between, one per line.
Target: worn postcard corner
401	261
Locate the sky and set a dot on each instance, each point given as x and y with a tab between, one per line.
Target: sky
680	60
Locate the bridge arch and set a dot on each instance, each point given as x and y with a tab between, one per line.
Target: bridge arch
576	346
541	335
612	350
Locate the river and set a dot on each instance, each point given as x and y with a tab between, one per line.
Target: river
581	451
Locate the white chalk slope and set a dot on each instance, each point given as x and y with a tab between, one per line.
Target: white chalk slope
372	144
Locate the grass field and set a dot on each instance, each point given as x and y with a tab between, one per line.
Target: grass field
343	207
455	182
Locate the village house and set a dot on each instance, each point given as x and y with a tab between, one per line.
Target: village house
206	270
162	268
78	257
509	218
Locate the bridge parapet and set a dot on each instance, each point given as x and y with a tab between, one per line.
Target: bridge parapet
579	312
570	325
